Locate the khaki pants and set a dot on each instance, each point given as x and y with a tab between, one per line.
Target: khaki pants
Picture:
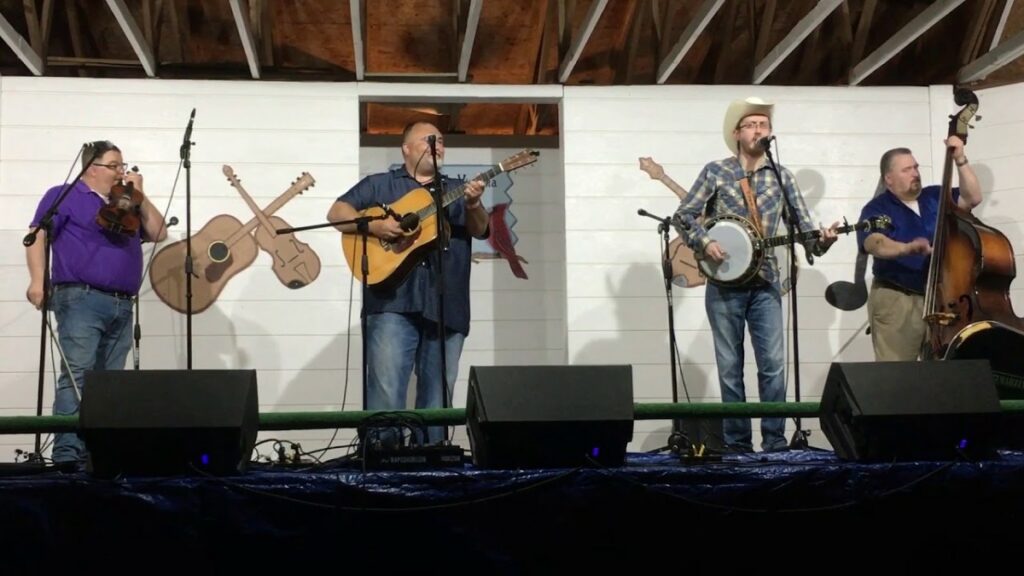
897	327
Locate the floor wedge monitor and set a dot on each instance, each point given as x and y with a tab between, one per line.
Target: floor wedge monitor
161	422
888	411
549	416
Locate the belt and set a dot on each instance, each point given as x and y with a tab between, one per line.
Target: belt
114	293
896	287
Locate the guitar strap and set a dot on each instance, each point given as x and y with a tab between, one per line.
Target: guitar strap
748	196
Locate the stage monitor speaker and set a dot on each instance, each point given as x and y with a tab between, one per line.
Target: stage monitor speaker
161	422
549	416
888	411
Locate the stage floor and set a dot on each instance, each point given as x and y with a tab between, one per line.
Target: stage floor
790	510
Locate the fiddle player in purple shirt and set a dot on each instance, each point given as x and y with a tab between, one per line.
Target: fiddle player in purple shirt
96	272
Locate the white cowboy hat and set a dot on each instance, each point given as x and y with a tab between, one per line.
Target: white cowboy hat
738	110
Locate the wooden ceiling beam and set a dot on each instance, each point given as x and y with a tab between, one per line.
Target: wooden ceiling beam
726	25
579	41
240	11
860	38
1005	53
700	20
357	12
626	65
21	47
803	28
765	32
35	36
134	34
919	25
975	36
472	23
997	34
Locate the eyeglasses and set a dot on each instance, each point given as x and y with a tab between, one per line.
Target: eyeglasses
764	125
114	166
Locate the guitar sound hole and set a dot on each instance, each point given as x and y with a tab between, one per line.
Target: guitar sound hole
219	251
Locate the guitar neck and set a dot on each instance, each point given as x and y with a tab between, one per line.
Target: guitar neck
456	193
804	236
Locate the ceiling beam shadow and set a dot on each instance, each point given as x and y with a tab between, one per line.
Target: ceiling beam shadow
901	39
801	31
134	34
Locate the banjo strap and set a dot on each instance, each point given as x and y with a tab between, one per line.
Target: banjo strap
748	196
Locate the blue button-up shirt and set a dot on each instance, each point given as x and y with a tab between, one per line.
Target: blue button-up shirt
910	272
719	183
417	294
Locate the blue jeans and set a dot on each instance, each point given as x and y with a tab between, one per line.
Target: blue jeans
94	331
397	342
729	309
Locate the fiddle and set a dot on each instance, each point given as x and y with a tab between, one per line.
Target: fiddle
122	212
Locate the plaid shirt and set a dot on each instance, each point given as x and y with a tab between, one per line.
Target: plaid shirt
720	181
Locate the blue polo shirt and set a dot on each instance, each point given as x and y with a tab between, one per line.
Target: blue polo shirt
83	251
910	272
417	293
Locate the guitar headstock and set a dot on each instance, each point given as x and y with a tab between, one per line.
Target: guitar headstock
519	159
877	223
304	182
230	173
652	168
960	122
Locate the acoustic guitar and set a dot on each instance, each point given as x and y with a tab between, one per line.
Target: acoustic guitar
389	261
223	248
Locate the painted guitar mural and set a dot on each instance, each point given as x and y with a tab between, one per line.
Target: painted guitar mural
225	246
390	261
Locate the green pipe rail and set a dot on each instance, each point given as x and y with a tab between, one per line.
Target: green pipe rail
457	416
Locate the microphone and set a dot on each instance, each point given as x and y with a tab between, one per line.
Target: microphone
432	140
188	129
766	142
407	222
172	221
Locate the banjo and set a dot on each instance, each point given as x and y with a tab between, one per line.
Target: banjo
746	249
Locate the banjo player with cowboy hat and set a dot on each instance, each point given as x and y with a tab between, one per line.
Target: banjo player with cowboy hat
744	187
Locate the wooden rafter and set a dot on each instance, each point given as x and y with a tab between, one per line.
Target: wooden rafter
135	37
803	28
997	34
472	22
726	37
700	20
765	33
356	9
975	36
1005	53
860	39
579	41
627	64
919	25
21	47
240	11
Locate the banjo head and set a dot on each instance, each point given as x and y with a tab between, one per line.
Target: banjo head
735	235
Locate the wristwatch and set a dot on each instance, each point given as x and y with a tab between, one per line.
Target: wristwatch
961	163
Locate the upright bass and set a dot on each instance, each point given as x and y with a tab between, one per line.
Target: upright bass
967	308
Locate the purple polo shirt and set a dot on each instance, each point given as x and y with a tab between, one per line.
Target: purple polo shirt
85	252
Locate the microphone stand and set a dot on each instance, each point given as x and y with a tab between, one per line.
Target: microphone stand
46	224
442	247
676	439
186	159
799	440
